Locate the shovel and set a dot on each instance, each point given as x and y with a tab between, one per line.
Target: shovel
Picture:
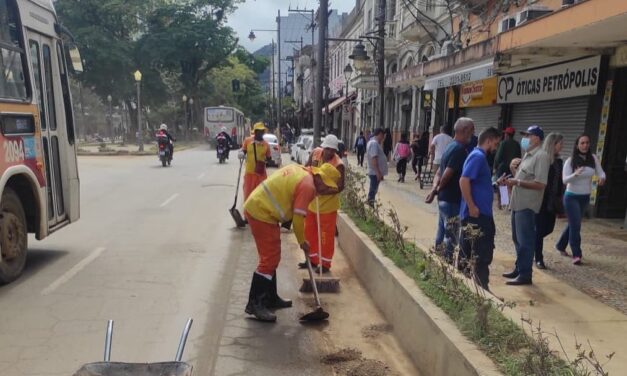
237	216
318	314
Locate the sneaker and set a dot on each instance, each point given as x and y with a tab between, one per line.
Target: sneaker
577	260
563	253
540	265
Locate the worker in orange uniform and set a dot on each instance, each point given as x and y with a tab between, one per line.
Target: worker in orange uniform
283	197
256	151
329	205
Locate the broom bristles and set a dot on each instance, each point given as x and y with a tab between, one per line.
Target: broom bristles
323	285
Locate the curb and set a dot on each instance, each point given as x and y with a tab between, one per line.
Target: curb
425	332
128	153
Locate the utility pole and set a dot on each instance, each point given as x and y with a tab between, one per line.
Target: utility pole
273	85
278	27
381	61
323	18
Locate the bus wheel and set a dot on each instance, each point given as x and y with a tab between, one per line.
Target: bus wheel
13	236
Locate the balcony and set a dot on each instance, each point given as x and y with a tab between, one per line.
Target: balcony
391	39
363	80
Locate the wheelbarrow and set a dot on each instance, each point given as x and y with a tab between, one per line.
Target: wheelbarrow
108	368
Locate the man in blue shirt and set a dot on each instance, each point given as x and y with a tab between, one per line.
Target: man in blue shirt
476	209
446	188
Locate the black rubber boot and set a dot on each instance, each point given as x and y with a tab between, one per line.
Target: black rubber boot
260	289
274	300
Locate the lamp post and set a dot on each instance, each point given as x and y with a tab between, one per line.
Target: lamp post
252	37
109	99
348	72
185	114
191	115
140	135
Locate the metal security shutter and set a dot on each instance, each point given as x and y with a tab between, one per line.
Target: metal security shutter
566	116
484	117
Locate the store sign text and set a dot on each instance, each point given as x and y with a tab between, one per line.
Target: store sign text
571	79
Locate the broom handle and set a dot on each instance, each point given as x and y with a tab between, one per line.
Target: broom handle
319	236
313	281
239	176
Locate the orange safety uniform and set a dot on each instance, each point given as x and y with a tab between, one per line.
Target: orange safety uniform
256	154
329	205
281	198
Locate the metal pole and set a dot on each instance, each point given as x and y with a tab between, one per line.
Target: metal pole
381	61
322	27
140	129
302	89
273	86
278	22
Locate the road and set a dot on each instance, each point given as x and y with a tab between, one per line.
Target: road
155	246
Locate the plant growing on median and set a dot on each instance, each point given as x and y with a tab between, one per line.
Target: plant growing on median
478	317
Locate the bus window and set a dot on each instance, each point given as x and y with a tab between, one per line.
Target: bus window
49	87
13	82
67	101
34	55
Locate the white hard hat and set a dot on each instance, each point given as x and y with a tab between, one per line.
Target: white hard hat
330	142
223	129
163	127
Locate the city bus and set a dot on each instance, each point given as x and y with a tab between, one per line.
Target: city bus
39	182
228	117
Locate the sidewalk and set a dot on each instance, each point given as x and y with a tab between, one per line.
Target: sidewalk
557	299
128	149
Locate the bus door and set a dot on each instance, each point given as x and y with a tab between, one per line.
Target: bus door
46	75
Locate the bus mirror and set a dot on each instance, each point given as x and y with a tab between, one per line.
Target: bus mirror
75	62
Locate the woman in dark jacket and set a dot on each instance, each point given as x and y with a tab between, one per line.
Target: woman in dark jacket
387	143
551	202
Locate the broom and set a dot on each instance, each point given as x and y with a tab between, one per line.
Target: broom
323	284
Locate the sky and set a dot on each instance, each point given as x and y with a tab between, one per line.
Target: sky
261	14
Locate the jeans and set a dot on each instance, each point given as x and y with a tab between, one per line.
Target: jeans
374	187
447	232
416	165
480	249
575	206
401	169
361	152
545	223
524	237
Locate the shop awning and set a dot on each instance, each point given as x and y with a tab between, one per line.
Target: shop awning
475	72
338	102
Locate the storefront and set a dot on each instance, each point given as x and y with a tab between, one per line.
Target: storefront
477	100
559	98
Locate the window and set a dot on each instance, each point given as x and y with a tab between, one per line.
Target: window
49	87
34	55
13	82
430	5
67	99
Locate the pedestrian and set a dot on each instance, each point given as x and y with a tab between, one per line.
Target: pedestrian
578	172
256	151
281	198
438	145
507	151
551	201
360	148
446	187
476	208
387	143
418	154
402	154
327	207
377	163
527	193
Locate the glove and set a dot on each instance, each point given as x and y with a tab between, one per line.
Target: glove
241	155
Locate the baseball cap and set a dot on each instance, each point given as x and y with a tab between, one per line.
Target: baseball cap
330	142
329	174
510	130
534	130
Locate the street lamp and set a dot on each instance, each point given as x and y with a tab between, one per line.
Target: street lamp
359	56
348	72
191	114
109	99
140	137
185	113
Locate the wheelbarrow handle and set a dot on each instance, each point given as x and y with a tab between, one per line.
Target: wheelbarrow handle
108	338
179	351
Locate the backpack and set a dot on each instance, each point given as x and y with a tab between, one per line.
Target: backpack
403	150
360	141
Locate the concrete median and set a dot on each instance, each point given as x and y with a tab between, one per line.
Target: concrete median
425	332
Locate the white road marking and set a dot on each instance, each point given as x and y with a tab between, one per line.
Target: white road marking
172	198
201	176
72	272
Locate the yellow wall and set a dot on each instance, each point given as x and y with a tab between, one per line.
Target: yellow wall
475	94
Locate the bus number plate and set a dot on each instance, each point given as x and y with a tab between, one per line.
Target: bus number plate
14	151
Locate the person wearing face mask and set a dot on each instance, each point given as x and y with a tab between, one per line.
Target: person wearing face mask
527	192
476	207
255	151
577	175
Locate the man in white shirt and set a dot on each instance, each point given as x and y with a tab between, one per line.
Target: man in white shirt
438	145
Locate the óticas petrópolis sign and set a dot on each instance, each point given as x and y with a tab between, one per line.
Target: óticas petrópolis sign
572	79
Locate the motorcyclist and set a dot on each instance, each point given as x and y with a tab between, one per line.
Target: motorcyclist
163	131
223	135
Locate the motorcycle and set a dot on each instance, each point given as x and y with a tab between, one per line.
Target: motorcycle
165	156
222	151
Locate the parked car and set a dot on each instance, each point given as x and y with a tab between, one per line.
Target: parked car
275	149
294	148
304	149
